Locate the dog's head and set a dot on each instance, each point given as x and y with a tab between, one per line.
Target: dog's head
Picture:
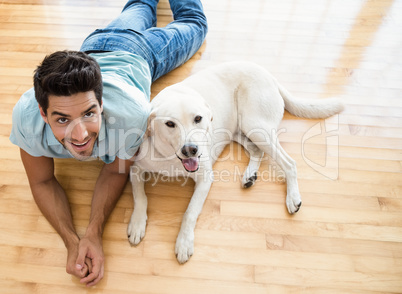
178	125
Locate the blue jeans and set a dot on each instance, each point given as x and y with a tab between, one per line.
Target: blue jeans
163	48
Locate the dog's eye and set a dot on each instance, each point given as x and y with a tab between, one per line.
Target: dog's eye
170	124
198	119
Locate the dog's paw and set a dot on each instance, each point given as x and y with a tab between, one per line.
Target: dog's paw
293	202
249	181
184	247
136	229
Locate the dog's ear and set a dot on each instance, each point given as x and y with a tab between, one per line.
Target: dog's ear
151	117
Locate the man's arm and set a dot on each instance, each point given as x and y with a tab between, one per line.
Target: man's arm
109	186
53	203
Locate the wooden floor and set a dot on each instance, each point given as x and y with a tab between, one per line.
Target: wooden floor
347	238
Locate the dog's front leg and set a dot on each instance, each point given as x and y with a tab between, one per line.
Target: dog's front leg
138	221
185	240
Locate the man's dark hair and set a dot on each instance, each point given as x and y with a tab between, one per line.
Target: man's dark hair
65	73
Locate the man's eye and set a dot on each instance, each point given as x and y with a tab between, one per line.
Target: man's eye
89	114
62	120
170	124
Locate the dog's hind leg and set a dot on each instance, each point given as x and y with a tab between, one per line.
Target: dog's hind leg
269	143
256	155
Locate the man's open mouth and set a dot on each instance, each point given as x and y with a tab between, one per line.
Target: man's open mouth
80	146
191	164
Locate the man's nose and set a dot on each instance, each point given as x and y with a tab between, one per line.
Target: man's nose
79	132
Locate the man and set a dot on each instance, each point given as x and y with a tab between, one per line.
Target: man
95	104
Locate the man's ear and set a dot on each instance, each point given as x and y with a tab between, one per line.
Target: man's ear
151	117
43	115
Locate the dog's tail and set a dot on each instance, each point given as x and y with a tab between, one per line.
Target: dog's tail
310	108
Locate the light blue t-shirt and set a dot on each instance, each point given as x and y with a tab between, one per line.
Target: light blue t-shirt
126	95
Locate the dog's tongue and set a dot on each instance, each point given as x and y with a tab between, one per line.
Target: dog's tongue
190	164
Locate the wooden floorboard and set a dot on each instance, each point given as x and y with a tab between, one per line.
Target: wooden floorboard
347	237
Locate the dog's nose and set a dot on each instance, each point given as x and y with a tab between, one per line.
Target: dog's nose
189	149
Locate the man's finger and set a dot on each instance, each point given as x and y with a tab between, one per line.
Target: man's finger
88	262
79	273
97	279
96	269
91	277
80	262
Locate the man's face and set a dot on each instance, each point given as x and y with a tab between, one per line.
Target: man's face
75	121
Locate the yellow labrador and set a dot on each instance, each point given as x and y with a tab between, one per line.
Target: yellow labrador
192	121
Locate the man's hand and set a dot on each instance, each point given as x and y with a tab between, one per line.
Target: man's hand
71	267
90	253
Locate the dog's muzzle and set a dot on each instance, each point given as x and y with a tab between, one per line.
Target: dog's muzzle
191	162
